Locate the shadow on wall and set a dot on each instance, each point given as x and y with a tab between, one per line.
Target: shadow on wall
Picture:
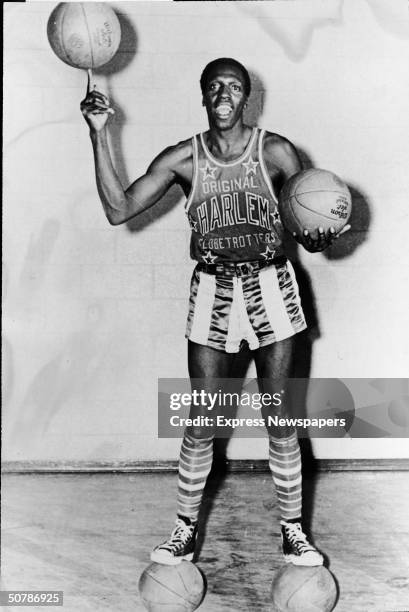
255	107
293	35
28	287
65	376
126	51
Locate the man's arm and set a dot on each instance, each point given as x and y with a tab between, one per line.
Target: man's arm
119	204
283	161
281	158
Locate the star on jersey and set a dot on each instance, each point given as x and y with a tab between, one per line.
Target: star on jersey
209	258
208	172
268	254
250	166
192	223
276	215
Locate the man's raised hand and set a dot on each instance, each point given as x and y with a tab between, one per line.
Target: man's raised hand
95	107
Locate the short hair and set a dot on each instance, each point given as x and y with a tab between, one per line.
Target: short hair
219	62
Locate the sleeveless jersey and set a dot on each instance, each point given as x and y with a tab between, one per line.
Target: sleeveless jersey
232	208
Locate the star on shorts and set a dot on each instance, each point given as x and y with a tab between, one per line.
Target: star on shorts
268	254
208	172
209	258
250	166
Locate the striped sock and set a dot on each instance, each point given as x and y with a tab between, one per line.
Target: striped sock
195	462
285	466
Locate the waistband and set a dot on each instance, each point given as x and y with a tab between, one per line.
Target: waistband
239	268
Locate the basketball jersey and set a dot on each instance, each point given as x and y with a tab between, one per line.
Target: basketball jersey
232	208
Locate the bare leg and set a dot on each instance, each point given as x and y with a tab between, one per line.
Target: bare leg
273	363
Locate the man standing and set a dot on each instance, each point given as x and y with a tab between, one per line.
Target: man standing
243	288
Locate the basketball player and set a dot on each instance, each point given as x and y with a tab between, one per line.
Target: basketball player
243	288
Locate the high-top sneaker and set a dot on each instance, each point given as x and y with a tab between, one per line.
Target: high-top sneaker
180	545
296	548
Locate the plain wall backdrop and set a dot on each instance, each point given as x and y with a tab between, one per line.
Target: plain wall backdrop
93	315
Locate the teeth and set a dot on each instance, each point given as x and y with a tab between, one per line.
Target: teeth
223	109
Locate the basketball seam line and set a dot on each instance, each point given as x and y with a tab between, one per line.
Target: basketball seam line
183	582
292	210
300	586
321	214
174	592
62	35
89	33
318	191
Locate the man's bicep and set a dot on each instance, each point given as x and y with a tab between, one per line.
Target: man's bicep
150	187
282	160
291	161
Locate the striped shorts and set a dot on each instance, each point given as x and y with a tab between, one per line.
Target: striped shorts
260	308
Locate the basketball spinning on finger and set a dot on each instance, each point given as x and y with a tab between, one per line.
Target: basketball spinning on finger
84	34
314	198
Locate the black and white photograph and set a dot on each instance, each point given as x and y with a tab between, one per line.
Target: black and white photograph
205	313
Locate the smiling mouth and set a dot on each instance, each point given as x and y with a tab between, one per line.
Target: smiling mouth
223	110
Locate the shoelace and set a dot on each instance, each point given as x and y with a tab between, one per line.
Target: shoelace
297	537
180	535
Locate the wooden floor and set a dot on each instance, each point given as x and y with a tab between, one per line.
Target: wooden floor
90	536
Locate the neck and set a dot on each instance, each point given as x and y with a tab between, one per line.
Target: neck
231	140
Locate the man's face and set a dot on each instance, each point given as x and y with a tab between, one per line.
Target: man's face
224	96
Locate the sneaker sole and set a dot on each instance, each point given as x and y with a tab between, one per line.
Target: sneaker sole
303	562
164	559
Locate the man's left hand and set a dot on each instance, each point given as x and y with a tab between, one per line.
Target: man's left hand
319	240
